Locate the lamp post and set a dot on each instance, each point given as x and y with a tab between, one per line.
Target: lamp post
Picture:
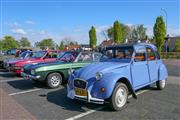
162	9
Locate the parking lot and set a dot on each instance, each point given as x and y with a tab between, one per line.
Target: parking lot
52	104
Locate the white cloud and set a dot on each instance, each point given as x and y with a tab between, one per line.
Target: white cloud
30	22
102	28
19	31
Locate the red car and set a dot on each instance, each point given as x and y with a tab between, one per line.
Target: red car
38	57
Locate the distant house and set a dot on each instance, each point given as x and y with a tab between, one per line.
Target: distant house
72	47
106	43
169	43
85	47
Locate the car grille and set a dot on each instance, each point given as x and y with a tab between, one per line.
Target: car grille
27	71
80	83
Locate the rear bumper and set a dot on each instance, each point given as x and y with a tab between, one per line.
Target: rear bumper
71	94
27	76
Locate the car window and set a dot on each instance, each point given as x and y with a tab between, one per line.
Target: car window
140	54
68	56
38	54
52	54
124	53
97	56
85	57
150	54
157	53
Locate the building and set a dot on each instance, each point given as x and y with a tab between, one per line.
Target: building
169	44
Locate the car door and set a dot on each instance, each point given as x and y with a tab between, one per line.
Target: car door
152	64
50	56
139	68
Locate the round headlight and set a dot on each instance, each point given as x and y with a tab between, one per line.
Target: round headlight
32	72
70	71
99	75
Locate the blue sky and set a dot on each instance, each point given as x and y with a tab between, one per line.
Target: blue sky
60	19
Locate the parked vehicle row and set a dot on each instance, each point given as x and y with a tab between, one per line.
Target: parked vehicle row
107	77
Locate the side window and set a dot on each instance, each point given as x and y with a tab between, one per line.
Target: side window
97	56
157	54
51	55
150	54
85	57
140	54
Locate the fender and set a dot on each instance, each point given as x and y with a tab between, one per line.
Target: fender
162	73
108	82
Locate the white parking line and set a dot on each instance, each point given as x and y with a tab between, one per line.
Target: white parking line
16	79
22	92
99	108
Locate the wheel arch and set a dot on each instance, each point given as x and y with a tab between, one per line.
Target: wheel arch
126	82
162	72
61	73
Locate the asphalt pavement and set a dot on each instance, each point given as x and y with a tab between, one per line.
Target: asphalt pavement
52	104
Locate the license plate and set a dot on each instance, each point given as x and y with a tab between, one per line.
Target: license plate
80	92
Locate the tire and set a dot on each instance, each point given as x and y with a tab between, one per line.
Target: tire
54	80
119	97
161	84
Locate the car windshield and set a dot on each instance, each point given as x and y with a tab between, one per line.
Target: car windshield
68	56
60	55
38	54
117	53
25	54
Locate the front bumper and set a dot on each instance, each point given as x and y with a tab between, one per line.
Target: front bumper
27	76
71	94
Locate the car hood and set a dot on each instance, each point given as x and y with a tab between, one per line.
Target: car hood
42	64
11	61
104	67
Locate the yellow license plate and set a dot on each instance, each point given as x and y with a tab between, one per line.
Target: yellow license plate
80	92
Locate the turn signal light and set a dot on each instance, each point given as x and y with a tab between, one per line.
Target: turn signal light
102	89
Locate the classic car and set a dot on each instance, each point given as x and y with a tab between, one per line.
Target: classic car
122	71
22	56
12	53
55	73
38	57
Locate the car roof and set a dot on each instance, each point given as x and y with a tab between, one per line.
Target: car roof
131	45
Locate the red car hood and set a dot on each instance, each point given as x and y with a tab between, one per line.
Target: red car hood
27	61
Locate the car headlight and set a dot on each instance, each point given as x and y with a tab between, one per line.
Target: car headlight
32	72
22	69
70	71
99	75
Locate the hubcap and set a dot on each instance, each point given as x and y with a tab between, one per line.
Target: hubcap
55	80
121	96
163	83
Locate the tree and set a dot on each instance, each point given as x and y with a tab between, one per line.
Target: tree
124	28
92	37
159	31
1	45
110	32
177	45
8	42
46	43
137	32
118	38
24	42
61	47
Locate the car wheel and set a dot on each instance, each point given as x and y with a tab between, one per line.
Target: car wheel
161	84
54	80
119	97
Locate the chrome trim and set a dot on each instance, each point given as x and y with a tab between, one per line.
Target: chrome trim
24	75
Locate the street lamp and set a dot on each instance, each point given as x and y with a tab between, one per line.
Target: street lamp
166	25
166	17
